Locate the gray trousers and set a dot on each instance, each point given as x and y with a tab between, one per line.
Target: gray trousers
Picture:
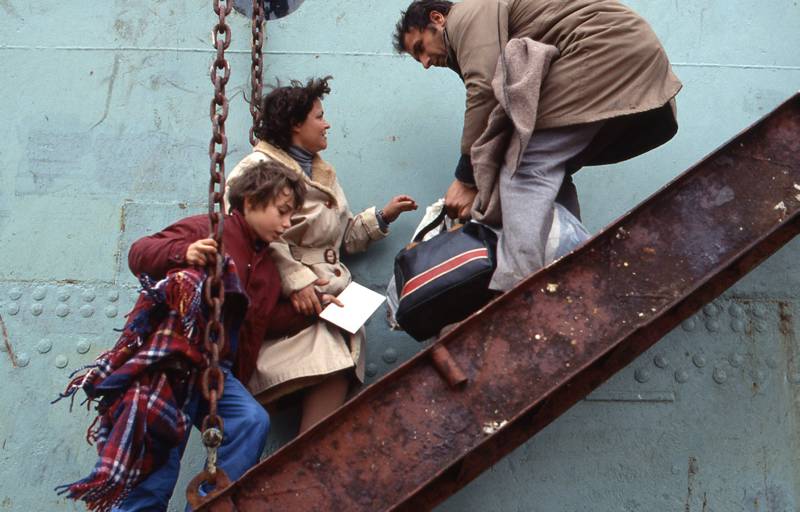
527	195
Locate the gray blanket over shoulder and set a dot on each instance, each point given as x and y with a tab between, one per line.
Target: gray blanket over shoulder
517	82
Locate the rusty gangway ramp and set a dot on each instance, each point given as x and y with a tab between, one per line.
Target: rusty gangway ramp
409	440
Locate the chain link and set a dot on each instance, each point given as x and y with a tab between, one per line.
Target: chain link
213	380
256	66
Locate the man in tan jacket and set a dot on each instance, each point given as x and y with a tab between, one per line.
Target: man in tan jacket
607	96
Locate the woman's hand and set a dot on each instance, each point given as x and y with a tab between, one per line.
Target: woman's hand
306	301
398	205
201	252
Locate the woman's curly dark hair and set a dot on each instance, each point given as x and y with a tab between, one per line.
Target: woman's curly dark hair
287	106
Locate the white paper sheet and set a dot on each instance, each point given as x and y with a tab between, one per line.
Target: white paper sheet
359	304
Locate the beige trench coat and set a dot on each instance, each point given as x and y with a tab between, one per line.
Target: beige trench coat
611	65
310	250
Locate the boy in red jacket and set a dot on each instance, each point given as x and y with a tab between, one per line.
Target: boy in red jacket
262	202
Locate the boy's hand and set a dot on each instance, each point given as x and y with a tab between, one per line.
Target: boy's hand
201	252
305	301
327	298
398	205
458	200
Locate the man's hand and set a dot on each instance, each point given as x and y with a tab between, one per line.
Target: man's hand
305	301
201	252
398	205
458	200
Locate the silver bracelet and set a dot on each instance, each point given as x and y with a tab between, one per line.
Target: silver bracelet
379	213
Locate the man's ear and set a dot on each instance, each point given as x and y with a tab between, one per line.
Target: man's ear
437	18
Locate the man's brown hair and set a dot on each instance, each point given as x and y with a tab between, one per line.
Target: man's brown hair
417	16
262	183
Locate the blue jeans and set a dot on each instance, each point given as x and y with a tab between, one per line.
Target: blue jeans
246	428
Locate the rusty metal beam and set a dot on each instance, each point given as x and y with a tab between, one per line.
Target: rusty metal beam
410	440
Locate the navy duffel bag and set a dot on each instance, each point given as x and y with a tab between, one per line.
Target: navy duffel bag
444	279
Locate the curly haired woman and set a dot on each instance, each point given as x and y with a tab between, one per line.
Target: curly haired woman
320	359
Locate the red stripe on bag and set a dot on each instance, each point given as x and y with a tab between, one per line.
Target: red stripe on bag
441	269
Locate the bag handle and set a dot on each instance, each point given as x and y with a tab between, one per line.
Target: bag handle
427	229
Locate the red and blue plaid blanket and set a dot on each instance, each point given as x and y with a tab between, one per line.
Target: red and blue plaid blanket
139	399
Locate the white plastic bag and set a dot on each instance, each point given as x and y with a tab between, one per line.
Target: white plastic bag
566	233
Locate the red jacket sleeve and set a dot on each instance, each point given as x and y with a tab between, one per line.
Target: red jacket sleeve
285	321
157	254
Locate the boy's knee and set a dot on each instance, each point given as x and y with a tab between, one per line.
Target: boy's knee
256	419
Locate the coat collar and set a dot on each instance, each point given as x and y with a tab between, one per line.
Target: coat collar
323	176
452	60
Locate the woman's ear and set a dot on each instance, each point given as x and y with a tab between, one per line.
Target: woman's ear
295	131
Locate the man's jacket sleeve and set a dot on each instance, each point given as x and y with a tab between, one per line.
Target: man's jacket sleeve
477	31
157	254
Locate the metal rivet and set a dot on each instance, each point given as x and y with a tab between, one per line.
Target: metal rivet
699	360
760	311
36	309
23	359
681	376
676	470
689	325
62	310
62	361
737	325
83	346
736	311
111	311
39	293
44	346
12	308
711	310
15	293
736	360
720	376
390	356
771	363
641	375
758	376
88	296
660	361
712	326
760	325
63	295
112	296
372	369
87	311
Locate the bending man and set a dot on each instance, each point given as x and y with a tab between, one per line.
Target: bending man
584	82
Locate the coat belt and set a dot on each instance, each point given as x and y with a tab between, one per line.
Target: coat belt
313	255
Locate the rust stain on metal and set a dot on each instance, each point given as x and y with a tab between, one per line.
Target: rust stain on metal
7	343
410	440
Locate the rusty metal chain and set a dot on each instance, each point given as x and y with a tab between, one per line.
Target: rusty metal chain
212	379
256	66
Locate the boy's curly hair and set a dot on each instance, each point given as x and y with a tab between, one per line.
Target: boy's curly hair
287	106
